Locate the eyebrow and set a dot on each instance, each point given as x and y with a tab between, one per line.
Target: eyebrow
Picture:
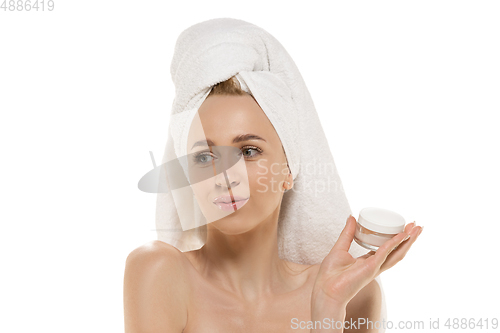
238	138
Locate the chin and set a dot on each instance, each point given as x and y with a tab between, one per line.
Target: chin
234	224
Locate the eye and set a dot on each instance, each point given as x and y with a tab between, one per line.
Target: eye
203	158
247	149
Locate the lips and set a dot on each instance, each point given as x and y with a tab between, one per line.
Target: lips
227	199
225	202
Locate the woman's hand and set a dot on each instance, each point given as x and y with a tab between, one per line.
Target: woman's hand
341	276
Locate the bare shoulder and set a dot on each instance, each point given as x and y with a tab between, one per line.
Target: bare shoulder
155	289
155	250
157	258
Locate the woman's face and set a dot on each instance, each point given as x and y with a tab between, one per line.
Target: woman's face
252	157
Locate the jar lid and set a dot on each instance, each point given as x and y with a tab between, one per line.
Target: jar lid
381	220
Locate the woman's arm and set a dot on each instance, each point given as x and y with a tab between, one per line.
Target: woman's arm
154	290
341	277
327	315
365	310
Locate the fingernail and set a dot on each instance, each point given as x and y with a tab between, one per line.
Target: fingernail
348	218
421	230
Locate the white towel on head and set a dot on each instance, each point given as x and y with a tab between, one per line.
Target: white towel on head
314	212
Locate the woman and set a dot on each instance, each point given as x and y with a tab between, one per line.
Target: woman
237	281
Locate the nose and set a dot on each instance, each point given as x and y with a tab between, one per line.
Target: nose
223	179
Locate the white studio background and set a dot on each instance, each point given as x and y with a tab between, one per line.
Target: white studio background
408	93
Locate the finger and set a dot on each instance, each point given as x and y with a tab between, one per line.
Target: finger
398	254
409	227
386	248
407	230
346	236
367	255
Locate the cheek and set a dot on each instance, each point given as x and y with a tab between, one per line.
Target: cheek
265	178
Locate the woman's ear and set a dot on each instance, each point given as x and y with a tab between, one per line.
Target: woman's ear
288	183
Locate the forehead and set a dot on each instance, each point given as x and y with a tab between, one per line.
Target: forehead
223	117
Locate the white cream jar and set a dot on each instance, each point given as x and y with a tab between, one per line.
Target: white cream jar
375	226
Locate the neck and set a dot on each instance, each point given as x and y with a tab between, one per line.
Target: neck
246	264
